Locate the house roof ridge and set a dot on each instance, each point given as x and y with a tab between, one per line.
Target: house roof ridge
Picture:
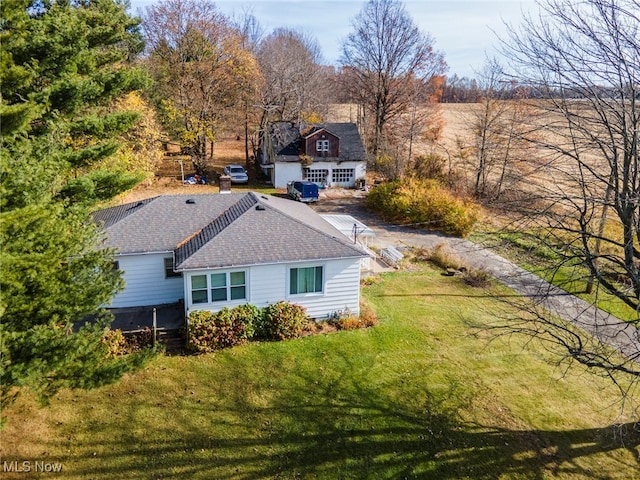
317	129
109	216
195	242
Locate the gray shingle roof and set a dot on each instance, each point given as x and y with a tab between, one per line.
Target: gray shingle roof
287	140
111	216
162	223
216	231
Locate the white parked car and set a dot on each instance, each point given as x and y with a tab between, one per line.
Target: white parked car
237	173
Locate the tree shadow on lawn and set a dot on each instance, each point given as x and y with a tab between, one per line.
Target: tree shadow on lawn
342	426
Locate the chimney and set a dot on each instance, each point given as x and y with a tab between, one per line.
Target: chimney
225	184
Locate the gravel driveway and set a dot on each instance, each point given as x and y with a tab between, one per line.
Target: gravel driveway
610	330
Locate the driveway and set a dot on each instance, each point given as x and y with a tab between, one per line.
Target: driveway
610	330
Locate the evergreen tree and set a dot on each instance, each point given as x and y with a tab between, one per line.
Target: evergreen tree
62	64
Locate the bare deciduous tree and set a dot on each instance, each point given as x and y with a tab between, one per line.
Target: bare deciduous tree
293	88
500	133
383	56
201	70
583	58
290	62
422	120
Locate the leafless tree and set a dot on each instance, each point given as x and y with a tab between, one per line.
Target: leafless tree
293	88
582	58
383	56
460	90
497	127
422	120
201	70
291	64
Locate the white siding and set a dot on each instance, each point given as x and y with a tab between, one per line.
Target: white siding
145	282
341	290
269	284
284	172
361	170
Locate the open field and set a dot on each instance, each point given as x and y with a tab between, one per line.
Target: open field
419	396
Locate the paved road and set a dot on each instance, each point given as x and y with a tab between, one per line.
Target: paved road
605	327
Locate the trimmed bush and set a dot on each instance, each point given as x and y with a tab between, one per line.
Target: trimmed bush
249	316
210	331
201	332
281	321
424	204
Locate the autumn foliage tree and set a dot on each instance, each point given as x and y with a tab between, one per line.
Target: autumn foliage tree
201	68
140	149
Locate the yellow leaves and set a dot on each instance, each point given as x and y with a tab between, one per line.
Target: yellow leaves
140	148
311	117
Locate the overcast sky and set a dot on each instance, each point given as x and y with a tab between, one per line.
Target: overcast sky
464	30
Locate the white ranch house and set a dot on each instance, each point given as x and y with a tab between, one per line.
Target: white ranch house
215	251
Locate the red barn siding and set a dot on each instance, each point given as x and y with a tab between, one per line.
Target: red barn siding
334	144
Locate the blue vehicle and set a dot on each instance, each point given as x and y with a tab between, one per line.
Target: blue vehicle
303	191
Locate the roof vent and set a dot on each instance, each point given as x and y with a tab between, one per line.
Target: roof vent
259	207
191	201
263	196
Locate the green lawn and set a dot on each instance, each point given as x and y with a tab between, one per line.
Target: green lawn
419	396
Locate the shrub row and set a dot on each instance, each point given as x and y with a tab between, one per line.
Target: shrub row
209	331
423	203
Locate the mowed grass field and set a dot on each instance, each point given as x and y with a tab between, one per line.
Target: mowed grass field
421	395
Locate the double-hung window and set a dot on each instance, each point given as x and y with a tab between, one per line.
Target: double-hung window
306	280
322	145
219	287
199	289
